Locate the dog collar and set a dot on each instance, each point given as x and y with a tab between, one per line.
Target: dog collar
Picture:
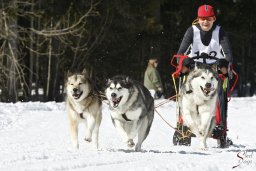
189	91
81	115
125	117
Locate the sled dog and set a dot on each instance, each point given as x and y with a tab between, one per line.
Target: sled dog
83	106
132	109
198	102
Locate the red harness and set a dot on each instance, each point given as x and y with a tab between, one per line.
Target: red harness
178	66
176	73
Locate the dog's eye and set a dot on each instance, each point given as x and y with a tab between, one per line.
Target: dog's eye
119	88
202	77
80	83
211	78
71	84
110	88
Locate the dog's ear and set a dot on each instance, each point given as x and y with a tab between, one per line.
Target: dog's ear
69	73
127	80
87	72
108	81
84	71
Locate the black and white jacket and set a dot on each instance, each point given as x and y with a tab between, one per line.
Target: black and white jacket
213	42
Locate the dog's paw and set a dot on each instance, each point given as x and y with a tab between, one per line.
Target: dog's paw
75	146
88	139
203	147
137	148
95	146
130	143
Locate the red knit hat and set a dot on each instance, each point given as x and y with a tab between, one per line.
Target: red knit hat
205	11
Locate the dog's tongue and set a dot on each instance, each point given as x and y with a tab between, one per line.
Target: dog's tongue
209	89
115	100
75	95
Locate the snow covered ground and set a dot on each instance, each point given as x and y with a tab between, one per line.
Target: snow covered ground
35	136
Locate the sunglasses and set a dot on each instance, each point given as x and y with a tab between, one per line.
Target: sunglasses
206	18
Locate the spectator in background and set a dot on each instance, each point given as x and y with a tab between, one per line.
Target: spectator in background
152	80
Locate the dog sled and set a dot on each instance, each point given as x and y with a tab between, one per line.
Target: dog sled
183	134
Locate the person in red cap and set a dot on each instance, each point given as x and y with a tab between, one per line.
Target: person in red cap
205	42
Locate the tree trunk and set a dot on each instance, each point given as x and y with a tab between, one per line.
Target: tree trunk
31	56
11	26
49	66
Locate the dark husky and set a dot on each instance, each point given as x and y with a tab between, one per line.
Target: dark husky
132	109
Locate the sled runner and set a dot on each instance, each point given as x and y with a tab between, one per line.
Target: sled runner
220	131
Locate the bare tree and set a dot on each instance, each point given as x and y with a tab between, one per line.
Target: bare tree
44	44
72	33
12	69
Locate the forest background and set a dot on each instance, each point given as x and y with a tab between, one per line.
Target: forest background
40	40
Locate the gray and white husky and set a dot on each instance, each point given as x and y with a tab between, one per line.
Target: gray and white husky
198	102
132	109
83	106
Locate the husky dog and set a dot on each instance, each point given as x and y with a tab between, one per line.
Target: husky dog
198	102
84	106
132	109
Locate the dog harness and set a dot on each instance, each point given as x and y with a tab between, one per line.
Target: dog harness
81	114
213	49
125	117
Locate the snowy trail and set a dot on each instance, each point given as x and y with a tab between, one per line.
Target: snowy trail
35	136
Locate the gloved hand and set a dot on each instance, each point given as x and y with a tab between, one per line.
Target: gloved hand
187	64
159	92
223	65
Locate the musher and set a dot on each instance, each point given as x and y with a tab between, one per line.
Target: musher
206	39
